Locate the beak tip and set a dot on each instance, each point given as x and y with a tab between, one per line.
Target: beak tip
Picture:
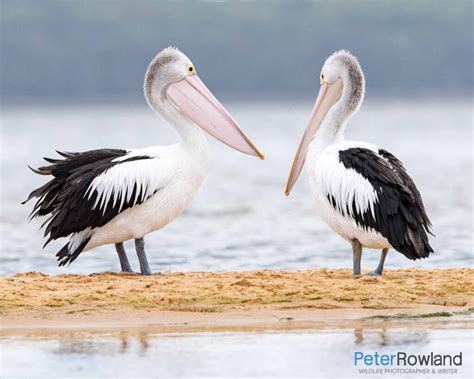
258	154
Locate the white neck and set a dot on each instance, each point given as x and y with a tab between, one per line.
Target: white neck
192	138
334	123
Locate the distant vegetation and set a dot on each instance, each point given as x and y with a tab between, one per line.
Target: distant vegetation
69	50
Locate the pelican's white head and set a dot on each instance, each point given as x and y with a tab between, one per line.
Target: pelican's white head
340	96
169	66
171	84
344	66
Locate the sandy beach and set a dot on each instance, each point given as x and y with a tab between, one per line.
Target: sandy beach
232	299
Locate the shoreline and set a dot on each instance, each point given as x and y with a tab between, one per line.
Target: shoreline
237	301
256	320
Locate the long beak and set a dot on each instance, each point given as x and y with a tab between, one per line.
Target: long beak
328	95
196	102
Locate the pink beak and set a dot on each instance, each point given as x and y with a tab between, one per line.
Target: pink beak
196	102
328	95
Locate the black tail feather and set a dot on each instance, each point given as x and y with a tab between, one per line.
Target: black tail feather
66	257
51	160
66	154
38	171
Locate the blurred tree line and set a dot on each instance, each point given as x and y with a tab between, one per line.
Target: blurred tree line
90	50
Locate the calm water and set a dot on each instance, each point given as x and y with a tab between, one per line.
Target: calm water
318	353
240	219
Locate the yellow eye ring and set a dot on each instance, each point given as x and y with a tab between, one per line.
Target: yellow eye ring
190	68
321	79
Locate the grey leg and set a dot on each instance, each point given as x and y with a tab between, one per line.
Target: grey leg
140	247
379	270
356	256
124	263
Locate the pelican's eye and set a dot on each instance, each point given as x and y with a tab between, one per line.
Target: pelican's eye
322	77
190	69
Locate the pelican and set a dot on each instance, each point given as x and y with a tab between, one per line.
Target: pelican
109	196
360	190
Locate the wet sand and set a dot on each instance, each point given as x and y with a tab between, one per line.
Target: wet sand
225	301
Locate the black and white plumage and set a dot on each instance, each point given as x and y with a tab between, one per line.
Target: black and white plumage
108	196
361	191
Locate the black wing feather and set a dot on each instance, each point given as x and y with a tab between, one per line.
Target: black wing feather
400	215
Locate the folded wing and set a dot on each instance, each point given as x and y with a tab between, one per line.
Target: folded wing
372	187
